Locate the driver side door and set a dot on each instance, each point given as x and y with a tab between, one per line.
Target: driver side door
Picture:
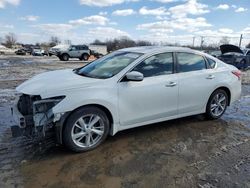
153	99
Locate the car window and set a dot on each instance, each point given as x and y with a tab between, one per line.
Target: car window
211	63
84	48
73	48
160	64
190	62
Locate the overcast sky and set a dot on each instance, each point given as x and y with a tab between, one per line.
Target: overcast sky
156	20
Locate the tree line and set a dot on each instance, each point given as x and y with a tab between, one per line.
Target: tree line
10	40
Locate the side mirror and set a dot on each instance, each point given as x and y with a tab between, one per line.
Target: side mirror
134	76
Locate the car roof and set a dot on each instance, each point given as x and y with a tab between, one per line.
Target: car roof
153	49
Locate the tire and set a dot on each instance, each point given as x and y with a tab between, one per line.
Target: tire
60	57
65	57
85	57
85	138
216	109
243	64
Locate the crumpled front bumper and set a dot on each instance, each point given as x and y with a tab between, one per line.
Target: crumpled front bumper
21	122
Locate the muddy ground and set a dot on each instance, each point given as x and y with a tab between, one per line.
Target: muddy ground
189	152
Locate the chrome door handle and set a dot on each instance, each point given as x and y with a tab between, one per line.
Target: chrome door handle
171	84
210	77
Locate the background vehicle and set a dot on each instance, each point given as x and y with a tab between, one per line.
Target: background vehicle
6	51
126	89
82	52
233	55
39	52
54	50
96	54
20	52
215	53
100	49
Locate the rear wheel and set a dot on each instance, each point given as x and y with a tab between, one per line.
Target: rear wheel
86	129
217	104
85	57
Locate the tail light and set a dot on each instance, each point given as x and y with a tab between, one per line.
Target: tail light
237	73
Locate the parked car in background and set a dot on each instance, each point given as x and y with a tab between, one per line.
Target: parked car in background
99	49
247	51
82	52
6	51
215	53
39	52
20	52
28	50
54	50
96	54
233	55
125	89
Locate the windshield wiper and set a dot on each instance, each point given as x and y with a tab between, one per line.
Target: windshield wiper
87	75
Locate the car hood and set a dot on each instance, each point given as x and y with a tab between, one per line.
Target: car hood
53	82
226	48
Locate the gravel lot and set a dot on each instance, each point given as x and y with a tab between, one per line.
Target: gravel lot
188	152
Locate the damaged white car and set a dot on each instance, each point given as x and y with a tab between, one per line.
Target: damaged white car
125	89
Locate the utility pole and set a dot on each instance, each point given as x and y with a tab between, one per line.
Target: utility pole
202	41
193	41
241	36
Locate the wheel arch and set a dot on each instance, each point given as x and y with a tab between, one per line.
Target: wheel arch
64	53
227	90
61	124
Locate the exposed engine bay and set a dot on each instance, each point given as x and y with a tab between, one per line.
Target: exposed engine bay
33	115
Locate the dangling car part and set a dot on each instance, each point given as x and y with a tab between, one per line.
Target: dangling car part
33	115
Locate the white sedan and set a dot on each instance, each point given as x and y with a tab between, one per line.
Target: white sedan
125	89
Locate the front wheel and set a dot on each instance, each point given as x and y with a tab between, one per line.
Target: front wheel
217	104
86	129
65	57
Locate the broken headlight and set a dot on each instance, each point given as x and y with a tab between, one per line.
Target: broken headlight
46	104
42	110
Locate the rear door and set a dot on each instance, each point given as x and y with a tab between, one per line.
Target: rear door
196	82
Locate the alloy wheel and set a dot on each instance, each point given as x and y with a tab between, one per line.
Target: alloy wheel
218	104
88	130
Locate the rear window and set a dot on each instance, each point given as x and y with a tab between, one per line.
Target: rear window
188	62
211	63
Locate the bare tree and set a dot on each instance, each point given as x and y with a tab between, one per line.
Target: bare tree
224	40
10	40
123	42
54	40
68	42
143	43
98	42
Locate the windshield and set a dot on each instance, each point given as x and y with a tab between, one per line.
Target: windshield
108	66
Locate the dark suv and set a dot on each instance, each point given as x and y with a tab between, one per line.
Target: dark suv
81	52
